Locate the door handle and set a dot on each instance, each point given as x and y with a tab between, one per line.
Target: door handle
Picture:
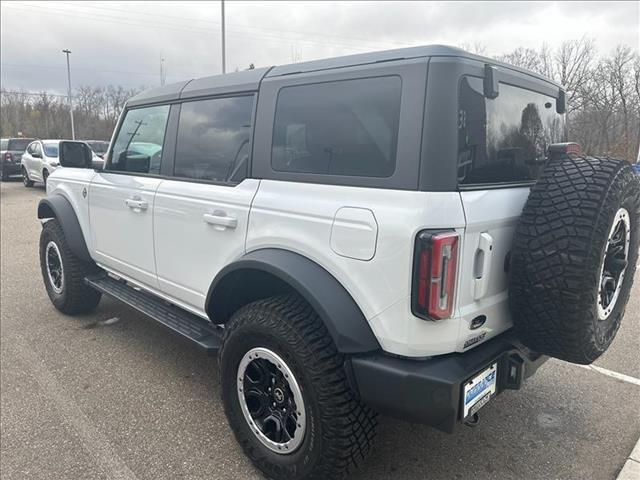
219	219
482	266
136	204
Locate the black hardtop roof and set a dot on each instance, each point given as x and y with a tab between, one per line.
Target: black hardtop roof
249	80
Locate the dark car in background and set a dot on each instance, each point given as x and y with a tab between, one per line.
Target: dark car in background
99	147
11	150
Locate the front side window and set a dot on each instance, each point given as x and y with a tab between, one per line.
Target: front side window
347	127
504	140
138	146
213	139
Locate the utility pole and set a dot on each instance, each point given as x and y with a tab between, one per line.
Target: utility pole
224	61
73	130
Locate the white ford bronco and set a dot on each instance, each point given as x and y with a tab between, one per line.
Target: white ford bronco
402	233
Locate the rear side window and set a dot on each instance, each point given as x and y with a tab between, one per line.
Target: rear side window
504	140
345	127
138	146
213	139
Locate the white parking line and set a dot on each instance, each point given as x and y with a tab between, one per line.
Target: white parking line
610	373
92	440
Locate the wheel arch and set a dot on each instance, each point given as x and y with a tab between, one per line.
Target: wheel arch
60	208
271	271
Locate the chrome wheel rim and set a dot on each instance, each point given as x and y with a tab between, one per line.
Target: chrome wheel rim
614	263
271	400
55	270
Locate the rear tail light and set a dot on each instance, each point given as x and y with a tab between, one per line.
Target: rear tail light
8	157
434	274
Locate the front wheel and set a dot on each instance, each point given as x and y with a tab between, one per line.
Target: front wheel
63	272
286	395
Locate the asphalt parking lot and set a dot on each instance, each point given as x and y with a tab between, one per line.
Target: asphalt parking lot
90	397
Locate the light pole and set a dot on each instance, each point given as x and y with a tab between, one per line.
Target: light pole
73	130
224	65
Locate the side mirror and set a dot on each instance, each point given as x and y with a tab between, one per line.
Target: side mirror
36	155
75	154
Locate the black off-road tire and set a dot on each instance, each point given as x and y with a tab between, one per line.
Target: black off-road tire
75	296
340	429
26	181
558	253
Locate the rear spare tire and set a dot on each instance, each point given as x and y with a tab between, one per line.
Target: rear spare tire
574	257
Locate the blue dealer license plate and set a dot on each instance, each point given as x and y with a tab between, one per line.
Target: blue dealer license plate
479	390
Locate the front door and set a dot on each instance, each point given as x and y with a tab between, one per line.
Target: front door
201	214
121	197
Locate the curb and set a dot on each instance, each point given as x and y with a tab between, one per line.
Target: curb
631	468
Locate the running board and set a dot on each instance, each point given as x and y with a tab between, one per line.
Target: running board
196	329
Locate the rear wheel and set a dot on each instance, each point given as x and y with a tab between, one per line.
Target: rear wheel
25	178
286	395
63	272
574	257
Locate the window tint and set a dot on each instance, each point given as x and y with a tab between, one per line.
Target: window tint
213	139
138	147
504	140
19	144
347	127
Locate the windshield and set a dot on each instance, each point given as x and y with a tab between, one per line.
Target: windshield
19	144
51	150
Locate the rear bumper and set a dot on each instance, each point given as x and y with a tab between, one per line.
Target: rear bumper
429	391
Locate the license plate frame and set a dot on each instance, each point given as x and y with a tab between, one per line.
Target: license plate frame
479	390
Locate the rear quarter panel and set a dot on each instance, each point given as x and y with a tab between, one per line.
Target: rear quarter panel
300	217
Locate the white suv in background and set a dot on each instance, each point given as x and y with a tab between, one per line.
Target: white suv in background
39	160
400	232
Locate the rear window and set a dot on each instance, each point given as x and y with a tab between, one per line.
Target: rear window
504	140
347	127
19	144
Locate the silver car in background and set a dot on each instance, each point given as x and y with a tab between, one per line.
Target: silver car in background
39	161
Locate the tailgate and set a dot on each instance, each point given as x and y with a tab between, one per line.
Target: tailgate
491	216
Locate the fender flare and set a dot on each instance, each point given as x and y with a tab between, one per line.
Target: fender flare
336	308
57	206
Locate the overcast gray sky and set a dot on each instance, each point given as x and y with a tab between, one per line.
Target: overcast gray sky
121	43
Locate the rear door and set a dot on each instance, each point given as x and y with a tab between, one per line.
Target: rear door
201	211
502	145
121	196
